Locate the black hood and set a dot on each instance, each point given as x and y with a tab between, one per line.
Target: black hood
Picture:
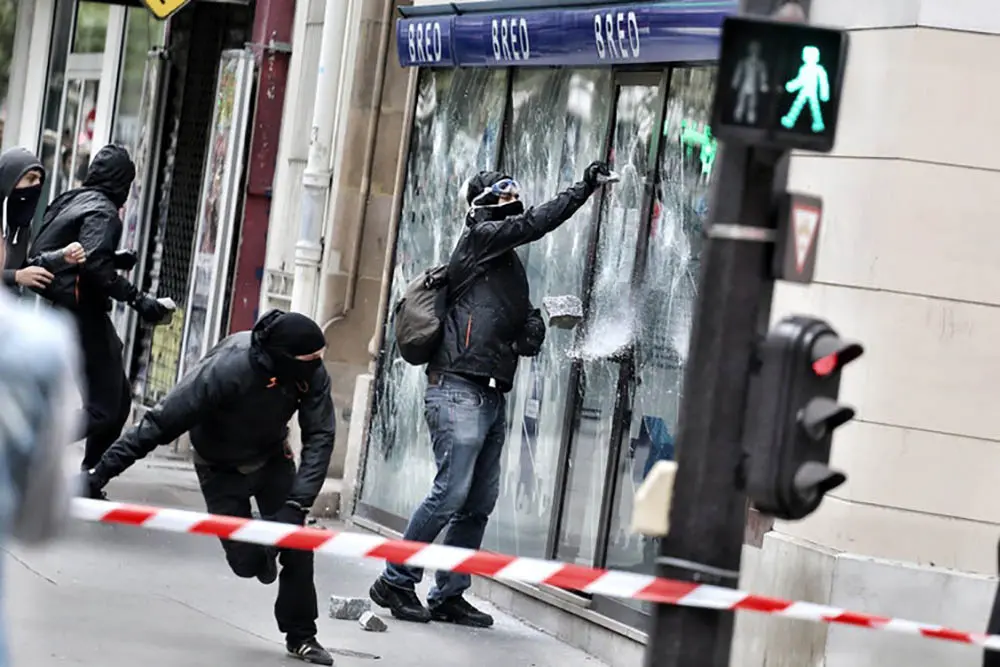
111	172
278	338
15	163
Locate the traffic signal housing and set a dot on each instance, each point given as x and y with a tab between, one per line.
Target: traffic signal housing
791	416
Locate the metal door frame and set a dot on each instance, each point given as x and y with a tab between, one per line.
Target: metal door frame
152	111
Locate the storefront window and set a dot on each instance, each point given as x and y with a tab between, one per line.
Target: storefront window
455	133
610	327
91	27
142	34
558	127
667	299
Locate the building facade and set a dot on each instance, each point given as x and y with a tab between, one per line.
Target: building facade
904	266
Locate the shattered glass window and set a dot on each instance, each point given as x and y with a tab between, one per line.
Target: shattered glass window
610	324
456	127
666	300
558	127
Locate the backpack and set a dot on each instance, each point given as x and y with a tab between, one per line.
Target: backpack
419	314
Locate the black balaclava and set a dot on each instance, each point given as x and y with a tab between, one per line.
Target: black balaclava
484	204
284	336
19	205
111	172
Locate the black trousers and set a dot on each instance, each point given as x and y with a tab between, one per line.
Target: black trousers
228	491
109	396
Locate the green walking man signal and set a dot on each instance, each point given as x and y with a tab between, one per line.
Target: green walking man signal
806	64
813	86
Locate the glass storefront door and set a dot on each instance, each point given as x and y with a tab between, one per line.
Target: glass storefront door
75	130
666	295
603	344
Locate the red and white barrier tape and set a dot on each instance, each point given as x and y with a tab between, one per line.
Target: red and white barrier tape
610	583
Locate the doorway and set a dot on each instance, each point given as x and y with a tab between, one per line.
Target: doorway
604	346
83	77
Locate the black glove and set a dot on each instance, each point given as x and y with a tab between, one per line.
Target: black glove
93	485
529	343
125	260
291	512
593	170
149	309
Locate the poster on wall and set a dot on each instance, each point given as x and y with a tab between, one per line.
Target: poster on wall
217	209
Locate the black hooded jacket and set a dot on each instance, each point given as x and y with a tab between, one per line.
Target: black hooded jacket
90	215
237	414
14	164
489	314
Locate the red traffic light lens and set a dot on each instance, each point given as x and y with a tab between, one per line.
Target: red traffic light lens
825	365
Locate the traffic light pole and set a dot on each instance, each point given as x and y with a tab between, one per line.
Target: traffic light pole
708	512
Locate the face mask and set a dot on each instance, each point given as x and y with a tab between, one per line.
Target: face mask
487	207
288	367
21	206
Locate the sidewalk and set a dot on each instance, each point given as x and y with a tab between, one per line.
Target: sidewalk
117	595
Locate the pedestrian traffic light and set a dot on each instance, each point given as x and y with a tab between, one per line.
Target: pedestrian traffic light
779	83
791	416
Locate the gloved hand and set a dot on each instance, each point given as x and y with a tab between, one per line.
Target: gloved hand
529	343
593	170
93	485
125	260
149	309
291	512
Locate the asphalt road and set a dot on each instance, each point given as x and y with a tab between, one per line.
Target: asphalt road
117	596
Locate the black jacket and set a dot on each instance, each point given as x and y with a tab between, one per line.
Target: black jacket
90	215
484	321
14	164
236	415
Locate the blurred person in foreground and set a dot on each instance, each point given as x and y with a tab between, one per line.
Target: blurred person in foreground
21	180
38	369
236	403
90	216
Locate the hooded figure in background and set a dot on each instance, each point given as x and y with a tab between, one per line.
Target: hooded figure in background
236	404
21	180
90	216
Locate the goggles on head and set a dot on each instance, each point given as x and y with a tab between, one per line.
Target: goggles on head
506	186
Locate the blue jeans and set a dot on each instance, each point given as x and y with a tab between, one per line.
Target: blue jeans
468	425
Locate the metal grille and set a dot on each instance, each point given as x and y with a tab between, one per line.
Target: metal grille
193	98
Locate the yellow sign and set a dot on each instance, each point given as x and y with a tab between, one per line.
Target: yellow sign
164	9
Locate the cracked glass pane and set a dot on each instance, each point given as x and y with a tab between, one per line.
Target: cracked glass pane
609	327
455	131
666	299
558	127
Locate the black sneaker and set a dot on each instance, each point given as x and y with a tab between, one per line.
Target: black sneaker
402	603
309	650
270	572
457	610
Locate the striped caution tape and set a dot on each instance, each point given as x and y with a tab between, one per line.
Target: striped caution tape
595	581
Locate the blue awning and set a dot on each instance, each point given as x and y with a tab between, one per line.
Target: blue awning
584	34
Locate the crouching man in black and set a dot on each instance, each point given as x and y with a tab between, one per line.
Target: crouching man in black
236	404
